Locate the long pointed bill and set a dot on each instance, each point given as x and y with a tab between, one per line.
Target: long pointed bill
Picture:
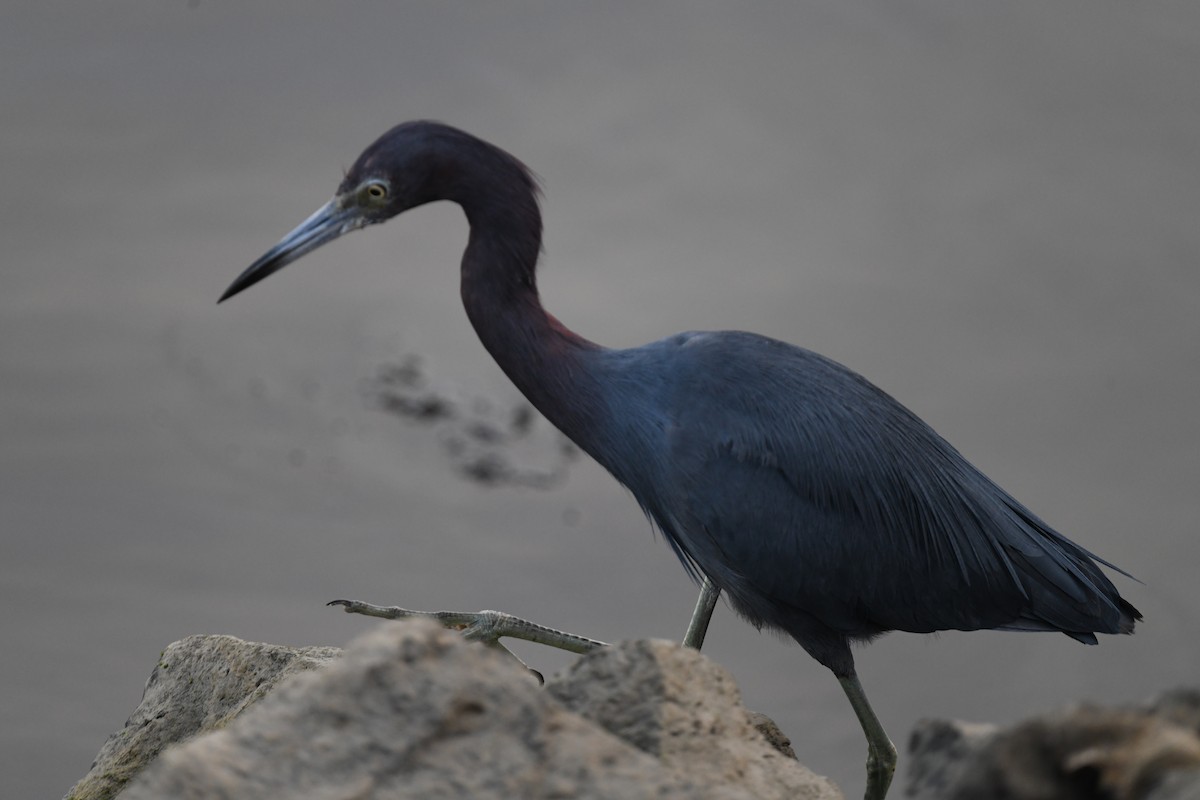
331	221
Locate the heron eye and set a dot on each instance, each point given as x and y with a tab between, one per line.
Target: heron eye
377	191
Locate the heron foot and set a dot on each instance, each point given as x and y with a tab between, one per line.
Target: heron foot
881	766
487	627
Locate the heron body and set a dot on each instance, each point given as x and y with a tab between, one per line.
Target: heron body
820	505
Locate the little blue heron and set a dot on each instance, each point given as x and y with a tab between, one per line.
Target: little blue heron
819	505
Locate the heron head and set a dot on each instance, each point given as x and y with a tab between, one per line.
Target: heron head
397	172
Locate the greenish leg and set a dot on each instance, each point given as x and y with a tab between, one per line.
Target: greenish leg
881	753
487	627
698	627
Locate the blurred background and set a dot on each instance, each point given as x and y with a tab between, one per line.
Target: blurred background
990	210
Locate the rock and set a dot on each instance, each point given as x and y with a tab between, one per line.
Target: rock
940	751
1150	752
412	710
770	731
680	707
199	684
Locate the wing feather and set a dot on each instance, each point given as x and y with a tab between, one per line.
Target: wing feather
801	487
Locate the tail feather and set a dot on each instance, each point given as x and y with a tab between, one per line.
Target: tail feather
1067	590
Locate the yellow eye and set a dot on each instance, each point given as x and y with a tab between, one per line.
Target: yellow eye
376	191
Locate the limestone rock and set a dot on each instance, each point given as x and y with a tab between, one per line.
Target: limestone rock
685	710
412	710
198	684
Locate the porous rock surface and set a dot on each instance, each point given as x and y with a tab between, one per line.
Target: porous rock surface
199	684
686	711
412	710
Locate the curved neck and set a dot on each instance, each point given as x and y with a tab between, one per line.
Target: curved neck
550	364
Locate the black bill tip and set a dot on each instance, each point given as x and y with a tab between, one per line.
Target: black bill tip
328	223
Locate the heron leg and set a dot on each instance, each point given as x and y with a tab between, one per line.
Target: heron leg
705	603
487	627
881	753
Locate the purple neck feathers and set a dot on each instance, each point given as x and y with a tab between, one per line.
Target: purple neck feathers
551	365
